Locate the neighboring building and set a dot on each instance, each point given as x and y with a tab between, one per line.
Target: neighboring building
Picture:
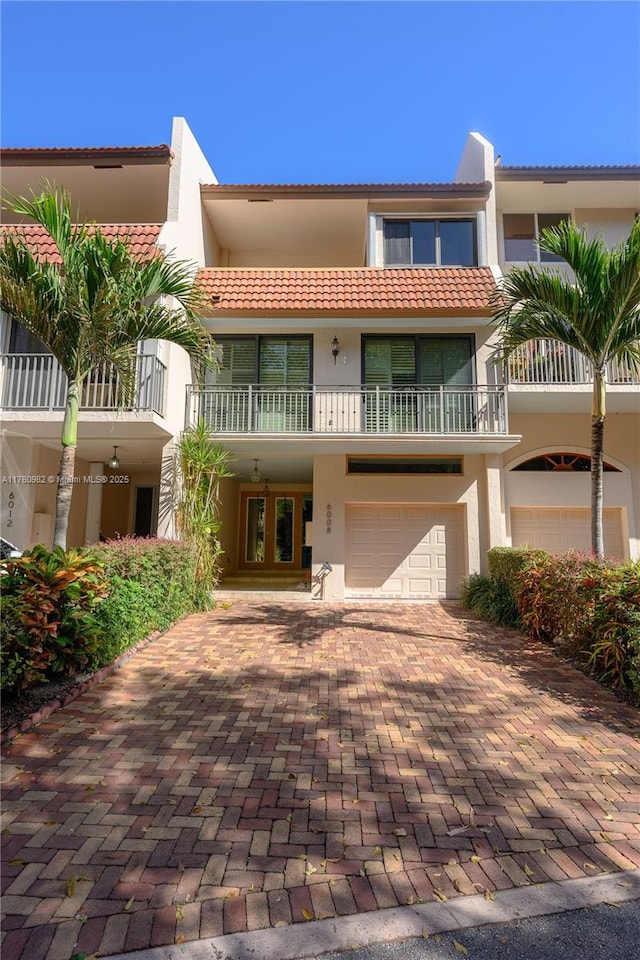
371	430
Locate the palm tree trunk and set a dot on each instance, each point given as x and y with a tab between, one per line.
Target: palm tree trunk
67	464
597	456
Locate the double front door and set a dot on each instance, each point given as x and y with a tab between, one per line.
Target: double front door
273	529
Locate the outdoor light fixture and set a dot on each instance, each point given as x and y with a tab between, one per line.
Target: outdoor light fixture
114	463
255	473
335	349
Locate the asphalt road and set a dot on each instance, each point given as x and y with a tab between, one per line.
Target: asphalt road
604	932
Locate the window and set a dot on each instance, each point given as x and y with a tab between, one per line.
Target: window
521	230
561	463
419	383
273	361
430	243
21	341
429	360
278	369
404	465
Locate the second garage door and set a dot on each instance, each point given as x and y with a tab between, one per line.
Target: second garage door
558	529
406	551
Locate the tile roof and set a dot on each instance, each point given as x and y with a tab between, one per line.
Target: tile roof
142	237
371	291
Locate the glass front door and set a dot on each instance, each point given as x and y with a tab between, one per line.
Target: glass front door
272	530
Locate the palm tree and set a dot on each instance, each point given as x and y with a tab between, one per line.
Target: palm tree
91	308
596	313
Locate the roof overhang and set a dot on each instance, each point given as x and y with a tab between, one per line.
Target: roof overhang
263	193
566	174
95	156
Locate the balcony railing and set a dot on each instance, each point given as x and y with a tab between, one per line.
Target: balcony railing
355	410
35	381
548	361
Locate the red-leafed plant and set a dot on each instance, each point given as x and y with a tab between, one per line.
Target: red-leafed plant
48	624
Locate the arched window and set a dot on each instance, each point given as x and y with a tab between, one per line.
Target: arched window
562	463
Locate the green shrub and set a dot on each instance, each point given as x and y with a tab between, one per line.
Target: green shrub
490	599
587	606
22	663
67	611
152	584
506	563
614	653
49	625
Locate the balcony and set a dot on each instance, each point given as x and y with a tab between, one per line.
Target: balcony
349	411
546	362
35	381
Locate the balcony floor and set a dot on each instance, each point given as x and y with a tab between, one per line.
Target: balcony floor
570	398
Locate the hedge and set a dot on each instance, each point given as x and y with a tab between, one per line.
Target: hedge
67	612
588	607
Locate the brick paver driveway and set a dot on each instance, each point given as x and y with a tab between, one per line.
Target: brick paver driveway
271	763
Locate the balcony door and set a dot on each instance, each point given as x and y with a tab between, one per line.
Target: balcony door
278	368
410	372
272	530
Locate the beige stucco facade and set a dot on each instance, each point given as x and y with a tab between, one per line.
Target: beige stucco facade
435	527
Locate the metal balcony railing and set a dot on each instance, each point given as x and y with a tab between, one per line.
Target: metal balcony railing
354	410
548	361
35	381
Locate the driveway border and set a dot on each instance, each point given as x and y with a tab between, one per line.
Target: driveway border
308	940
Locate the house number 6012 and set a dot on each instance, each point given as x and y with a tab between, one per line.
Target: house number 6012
328	518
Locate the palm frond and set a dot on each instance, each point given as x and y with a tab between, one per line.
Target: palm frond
594	310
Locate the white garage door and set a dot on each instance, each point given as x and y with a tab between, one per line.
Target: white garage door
407	551
558	529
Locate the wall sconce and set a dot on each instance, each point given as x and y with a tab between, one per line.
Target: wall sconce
266	491
255	473
335	349
114	463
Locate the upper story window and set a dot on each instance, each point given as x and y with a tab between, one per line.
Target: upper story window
430	243
21	341
274	361
428	360
521	231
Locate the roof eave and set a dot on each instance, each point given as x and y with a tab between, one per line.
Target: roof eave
565	174
396	313
266	192
97	156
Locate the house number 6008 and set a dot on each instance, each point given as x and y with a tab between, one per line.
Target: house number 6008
328	518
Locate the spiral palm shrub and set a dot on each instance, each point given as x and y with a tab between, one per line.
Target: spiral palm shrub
201	463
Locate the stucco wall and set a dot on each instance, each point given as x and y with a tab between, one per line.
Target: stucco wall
229	494
119	499
333	489
572	433
45	496
612	225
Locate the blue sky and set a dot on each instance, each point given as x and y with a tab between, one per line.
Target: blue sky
327	91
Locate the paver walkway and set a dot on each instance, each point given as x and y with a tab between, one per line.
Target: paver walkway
270	763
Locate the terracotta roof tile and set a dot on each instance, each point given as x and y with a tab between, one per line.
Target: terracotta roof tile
363	291
142	237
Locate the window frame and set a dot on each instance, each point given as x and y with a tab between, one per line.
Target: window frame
400	218
391	459
416	338
257	338
549	258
